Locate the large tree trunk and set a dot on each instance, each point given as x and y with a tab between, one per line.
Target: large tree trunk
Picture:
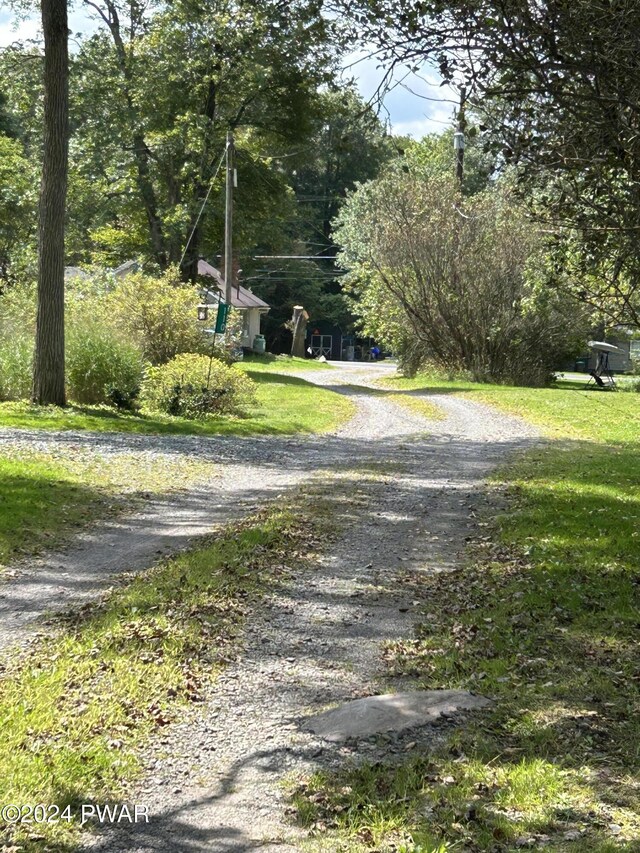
48	367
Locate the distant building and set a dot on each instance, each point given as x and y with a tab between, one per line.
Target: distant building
242	298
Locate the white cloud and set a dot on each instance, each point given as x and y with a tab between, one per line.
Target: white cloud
415	104
12	30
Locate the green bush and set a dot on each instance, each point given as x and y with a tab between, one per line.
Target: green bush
161	312
193	386
17	327
102	367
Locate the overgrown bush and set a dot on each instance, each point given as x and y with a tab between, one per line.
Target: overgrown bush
158	311
194	386
17	327
102	366
452	280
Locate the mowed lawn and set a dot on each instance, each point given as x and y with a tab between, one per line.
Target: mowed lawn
286	405
544	618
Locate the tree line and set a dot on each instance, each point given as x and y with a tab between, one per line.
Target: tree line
125	135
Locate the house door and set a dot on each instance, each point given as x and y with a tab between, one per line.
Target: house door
321	345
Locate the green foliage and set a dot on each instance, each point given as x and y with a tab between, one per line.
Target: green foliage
18	200
16	360
434	155
17	323
160	111
159	311
347	144
102	365
452	279
195	387
571	136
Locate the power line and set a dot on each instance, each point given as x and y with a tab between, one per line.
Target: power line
206	199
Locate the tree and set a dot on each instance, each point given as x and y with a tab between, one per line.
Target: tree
157	91
446	278
48	367
559	86
17	203
347	144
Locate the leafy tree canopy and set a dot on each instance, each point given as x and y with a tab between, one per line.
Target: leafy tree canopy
559	87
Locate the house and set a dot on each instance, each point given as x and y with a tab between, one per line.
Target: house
242	298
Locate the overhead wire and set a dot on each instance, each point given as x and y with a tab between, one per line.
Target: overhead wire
206	199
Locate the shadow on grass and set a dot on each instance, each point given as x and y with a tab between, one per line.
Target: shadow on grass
38	505
264	378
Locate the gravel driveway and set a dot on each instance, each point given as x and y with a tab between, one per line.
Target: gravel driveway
214	782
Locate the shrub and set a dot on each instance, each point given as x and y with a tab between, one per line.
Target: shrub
455	280
17	326
158	311
102	367
194	386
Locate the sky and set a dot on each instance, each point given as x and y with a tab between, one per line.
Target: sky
415	106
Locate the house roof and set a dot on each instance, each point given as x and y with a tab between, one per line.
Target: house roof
241	297
74	272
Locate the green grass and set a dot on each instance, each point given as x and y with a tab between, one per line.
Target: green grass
544	619
76	712
563	411
282	363
285	405
39	502
46	497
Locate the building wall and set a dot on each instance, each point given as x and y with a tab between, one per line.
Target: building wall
619	362
250	326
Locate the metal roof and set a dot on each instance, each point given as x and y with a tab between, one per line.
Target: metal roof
241	297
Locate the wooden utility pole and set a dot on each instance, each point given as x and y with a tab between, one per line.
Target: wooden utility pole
228	222
458	137
48	362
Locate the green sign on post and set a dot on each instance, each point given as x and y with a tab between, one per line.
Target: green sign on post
221	318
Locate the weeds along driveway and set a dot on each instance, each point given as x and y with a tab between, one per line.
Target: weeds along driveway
446	455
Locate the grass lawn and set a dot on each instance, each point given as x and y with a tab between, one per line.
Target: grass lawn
283	363
45	497
286	405
76	712
544	619
563	411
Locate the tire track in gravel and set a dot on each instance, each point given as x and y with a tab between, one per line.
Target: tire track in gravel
252	471
214	782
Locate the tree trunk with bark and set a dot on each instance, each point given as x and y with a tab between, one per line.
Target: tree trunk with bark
48	366
299	328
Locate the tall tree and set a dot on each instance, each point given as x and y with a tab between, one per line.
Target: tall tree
168	83
559	84
48	368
